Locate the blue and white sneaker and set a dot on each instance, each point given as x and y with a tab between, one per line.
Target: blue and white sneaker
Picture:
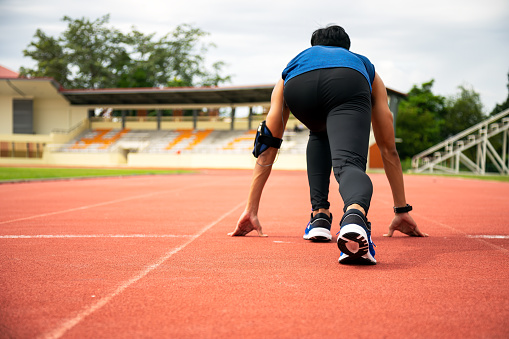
354	240
318	228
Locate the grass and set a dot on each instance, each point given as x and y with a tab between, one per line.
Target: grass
27	173
406	165
489	177
31	173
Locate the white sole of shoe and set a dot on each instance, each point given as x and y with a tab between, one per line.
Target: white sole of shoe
318	234
353	244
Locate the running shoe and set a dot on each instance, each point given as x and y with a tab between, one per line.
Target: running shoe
318	228
354	240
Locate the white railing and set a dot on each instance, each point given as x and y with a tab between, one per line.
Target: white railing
450	153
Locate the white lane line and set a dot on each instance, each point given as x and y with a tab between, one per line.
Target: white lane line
71	322
66	236
503	250
80	208
102	203
486	236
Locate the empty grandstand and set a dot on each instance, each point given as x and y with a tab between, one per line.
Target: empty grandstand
42	123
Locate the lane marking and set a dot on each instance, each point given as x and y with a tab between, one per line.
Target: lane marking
503	250
102	203
66	236
485	236
79	208
71	322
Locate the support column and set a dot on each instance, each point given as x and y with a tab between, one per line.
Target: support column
232	125
484	149
250	118
158	119
195	119
504	148
123	118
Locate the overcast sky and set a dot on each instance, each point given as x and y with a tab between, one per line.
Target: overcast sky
455	42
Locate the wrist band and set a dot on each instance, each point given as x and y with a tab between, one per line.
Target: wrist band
403	209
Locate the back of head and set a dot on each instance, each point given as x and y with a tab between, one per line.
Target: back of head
332	35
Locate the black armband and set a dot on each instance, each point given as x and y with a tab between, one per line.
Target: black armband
403	209
264	140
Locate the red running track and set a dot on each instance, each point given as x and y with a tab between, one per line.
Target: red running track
149	257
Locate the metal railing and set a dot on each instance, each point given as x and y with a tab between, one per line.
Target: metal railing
70	130
450	155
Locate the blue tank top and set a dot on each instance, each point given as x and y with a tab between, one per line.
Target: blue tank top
319	57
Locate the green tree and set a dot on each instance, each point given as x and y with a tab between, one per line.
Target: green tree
503	106
50	56
462	111
419	120
91	54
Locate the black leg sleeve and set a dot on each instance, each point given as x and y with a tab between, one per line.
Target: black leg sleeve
348	132
319	165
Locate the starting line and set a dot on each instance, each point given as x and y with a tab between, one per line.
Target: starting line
489	236
65	236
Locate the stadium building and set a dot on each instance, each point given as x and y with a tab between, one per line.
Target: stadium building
42	123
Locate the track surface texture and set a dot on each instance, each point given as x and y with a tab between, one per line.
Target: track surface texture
149	257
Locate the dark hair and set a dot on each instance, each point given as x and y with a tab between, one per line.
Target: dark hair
332	35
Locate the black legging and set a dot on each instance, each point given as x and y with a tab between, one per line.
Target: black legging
335	104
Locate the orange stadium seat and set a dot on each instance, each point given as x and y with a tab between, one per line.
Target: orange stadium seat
246	138
192	138
199	136
102	138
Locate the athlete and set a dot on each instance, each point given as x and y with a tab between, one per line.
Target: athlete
337	95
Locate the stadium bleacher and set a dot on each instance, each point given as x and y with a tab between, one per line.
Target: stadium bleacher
101	139
177	141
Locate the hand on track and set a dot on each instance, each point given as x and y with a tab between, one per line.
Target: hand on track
404	223
247	222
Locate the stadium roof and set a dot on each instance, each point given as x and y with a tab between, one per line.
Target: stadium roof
195	96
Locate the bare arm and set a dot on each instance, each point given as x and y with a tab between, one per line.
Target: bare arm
383	128
382	120
276	122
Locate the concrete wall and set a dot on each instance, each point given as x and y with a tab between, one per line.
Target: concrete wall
84	159
141	123
234	161
33	138
50	114
135	160
5	115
